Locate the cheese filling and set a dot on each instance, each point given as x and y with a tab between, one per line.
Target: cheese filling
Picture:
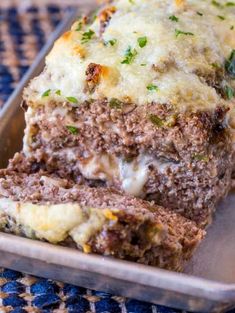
55	222
131	175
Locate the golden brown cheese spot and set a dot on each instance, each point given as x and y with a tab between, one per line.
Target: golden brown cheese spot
127	99
66	36
109	215
105	71
105	16
79	50
86	248
110	77
180	2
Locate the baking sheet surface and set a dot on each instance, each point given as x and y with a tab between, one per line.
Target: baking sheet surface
215	258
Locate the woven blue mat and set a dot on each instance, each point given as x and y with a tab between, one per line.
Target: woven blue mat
22	34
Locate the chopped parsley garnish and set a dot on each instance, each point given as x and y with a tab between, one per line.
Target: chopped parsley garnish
216	3
46	93
143	64
72	99
87	36
142	41
199	13
221	17
152	87
115	103
130	55
229	92
219	5
179	32
58	92
232	27
156	120
173	18
72	129
230	4
215	65
230	65
110	42
201	157
79	26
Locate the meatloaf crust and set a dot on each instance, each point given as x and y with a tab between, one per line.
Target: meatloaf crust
96	220
182	161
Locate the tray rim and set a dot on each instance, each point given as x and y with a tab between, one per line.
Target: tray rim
70	257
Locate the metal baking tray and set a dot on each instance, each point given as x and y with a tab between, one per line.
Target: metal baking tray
207	285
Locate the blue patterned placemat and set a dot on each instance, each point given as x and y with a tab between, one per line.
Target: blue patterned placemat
20	293
23	31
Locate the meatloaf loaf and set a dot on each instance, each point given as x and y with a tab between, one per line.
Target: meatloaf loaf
95	220
141	99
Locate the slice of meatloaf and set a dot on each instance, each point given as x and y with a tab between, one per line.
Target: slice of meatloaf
185	166
96	220
142	100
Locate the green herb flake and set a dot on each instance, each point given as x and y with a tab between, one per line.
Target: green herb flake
230	4
72	129
72	99
87	36
143	64
110	42
230	65
216	65
199	13
179	32
58	92
216	3
115	103
79	26
173	18
156	120
221	17
201	157
142	41
229	92
130	55
46	93
152	87
132	1
232	27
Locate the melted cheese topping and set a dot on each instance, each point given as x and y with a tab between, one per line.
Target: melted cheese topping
170	62
50	222
130	175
